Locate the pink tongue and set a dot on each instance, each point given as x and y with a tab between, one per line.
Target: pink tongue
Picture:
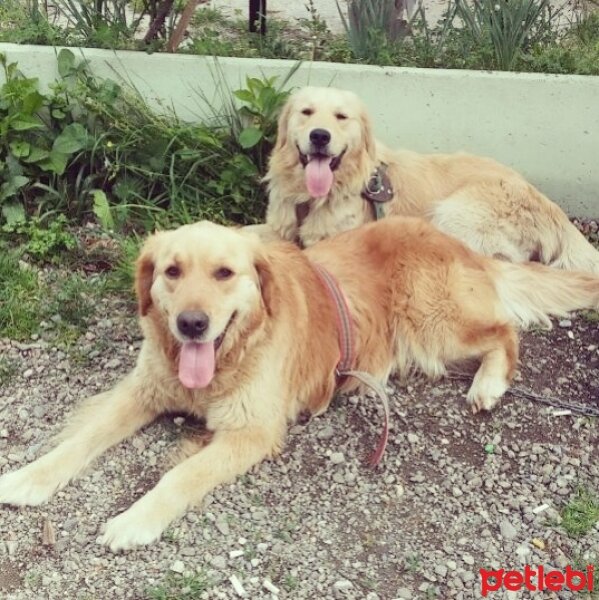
196	364
319	177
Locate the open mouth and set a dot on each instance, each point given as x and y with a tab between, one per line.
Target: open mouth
197	360
219	340
334	161
319	171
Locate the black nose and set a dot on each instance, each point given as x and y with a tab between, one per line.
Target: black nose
320	137
193	323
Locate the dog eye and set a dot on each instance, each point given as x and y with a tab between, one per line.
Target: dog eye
223	273
172	272
307	112
341	116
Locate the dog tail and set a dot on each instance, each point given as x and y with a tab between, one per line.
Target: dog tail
575	253
560	244
531	292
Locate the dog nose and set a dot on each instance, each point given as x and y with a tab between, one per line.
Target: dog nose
193	323
320	137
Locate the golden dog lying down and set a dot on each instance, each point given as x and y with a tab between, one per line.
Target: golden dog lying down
325	157
245	335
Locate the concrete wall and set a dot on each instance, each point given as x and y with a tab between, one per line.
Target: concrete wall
546	126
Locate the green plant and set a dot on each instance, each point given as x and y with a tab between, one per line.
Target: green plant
38	138
506	26
20	296
8	370
43	243
581	514
180	587
372	26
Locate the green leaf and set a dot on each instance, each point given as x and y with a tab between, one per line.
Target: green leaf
13	213
26	122
12	186
102	209
32	102
20	149
244	95
55	163
58	114
249	137
36	155
74	137
66	62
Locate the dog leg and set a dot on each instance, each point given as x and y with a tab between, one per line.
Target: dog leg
494	374
229	454
99	423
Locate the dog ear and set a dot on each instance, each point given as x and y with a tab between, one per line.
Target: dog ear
283	125
266	281
368	135
144	275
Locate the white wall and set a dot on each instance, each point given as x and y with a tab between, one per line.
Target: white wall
546	126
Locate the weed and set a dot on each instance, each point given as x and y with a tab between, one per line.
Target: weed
20	297
42	243
290	583
8	370
180	587
590	316
580	563
120	277
413	563
581	514
372	26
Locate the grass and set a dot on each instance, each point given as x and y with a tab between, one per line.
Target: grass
20	297
590	316
180	587
56	304
8	370
581	514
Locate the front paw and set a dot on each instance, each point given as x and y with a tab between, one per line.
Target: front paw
139	525
27	487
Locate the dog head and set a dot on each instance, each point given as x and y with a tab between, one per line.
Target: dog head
207	285
323	130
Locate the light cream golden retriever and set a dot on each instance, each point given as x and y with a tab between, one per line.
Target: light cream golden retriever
325	155
245	335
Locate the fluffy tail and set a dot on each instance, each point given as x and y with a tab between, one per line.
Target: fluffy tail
530	292
576	253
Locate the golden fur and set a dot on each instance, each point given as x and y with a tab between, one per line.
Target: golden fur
486	205
418	299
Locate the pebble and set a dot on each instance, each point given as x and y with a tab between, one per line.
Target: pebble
269	586
327	432
236	583
343	585
405	594
565	323
508	531
219	562
178	567
337	458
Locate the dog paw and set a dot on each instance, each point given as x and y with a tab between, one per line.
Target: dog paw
137	526
26	487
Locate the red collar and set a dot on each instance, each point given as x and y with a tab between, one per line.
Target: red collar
347	346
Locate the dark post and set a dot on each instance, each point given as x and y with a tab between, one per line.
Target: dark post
258	15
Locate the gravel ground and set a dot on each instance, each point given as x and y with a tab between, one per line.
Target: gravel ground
316	523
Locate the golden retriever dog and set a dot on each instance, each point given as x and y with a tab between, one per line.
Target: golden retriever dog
325	157
244	334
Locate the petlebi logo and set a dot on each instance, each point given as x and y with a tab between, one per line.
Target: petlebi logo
537	579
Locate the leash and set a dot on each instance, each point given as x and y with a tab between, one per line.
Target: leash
377	191
346	362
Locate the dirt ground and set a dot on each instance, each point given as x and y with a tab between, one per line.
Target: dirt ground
455	492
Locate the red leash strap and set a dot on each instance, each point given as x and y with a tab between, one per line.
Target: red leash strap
347	347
